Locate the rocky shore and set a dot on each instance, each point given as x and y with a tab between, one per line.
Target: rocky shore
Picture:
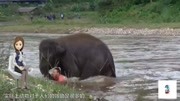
109	31
129	31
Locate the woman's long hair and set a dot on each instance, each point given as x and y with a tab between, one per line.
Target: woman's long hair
18	38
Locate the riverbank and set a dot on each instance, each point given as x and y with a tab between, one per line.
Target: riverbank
39	90
105	30
87	26
131	31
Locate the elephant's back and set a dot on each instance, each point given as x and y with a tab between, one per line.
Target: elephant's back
82	42
79	38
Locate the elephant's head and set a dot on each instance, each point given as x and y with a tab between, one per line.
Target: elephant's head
50	53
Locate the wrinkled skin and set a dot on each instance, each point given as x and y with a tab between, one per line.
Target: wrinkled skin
78	55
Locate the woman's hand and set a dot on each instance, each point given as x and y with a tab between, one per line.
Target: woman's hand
21	68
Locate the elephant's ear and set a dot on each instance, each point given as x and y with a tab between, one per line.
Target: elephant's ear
60	50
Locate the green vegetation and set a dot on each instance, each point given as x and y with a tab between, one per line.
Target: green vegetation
40	90
106	11
92	13
140	11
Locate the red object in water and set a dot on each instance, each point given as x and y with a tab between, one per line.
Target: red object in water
61	79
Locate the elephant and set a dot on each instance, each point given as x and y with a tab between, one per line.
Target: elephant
78	55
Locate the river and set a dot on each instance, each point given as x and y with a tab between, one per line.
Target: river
140	62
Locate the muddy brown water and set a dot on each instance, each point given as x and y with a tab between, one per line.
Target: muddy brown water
140	62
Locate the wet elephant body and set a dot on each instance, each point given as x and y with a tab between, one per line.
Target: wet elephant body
78	55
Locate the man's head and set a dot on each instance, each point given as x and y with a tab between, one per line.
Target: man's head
56	71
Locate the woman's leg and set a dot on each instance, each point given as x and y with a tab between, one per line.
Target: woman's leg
23	79
26	74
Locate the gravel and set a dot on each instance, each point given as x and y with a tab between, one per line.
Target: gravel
129	31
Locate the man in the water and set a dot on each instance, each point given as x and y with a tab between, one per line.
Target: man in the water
58	77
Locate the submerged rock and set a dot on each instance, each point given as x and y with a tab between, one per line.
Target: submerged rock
96	83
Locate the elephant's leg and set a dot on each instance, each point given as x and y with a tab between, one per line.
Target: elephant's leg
89	70
70	66
72	70
107	70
